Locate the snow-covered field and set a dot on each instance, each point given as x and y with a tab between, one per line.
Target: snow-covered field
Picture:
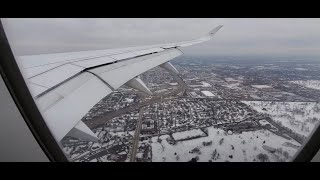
229	79
301	117
208	93
219	146
205	84
129	100
173	84
261	86
188	134
232	86
314	84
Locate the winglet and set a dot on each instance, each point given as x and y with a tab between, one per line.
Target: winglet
213	31
204	38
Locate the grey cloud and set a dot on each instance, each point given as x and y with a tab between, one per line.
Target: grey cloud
238	36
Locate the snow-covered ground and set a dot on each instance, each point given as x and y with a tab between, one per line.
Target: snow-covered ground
264	122
229	79
208	93
205	84
161	91
301	117
188	134
254	96
301	69
173	84
232	86
129	100
313	84
261	86
223	147
235	67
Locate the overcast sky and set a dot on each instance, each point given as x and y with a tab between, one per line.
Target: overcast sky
238	36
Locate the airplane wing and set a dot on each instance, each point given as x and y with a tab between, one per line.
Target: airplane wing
66	86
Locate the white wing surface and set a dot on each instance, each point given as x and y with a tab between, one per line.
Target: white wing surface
66	86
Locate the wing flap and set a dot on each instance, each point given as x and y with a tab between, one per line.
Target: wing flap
55	76
62	114
148	51
126	70
94	62
123	56
33	71
36	89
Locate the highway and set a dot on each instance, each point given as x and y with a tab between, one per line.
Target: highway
136	137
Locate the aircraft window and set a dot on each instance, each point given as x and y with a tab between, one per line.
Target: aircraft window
249	96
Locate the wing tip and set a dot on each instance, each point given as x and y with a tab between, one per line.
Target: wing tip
213	31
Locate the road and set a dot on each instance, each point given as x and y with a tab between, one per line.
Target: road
136	137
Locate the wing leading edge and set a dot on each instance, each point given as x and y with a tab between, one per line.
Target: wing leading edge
66	86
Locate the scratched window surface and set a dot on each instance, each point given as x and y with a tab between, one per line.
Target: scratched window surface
128	90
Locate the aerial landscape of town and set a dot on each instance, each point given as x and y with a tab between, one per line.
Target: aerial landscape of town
217	109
